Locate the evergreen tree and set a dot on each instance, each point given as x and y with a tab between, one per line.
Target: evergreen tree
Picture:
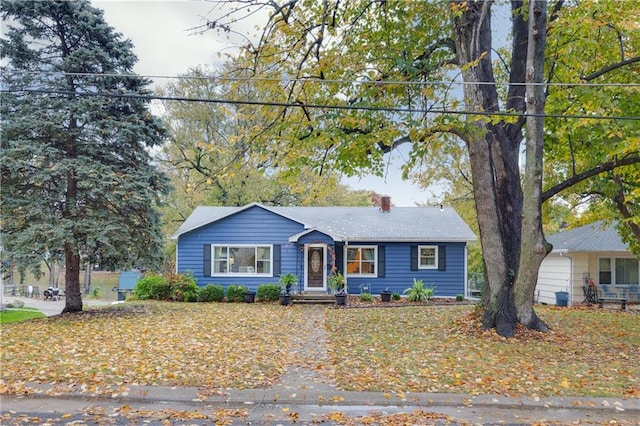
77	178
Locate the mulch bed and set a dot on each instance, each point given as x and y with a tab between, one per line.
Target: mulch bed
353	301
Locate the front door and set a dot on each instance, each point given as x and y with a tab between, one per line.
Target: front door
315	267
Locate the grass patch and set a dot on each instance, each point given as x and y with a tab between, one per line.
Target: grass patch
19	315
440	349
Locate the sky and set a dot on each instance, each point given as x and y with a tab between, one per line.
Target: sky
165	47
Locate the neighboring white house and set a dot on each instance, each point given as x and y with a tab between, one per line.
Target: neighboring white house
591	252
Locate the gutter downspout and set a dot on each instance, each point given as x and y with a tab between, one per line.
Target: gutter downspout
466	270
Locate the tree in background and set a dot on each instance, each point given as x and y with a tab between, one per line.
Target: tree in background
211	157
76	175
353	80
581	153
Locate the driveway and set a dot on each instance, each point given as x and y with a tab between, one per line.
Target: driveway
51	307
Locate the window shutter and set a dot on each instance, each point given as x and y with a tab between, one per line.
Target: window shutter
442	258
277	262
414	258
206	262
381	265
339	253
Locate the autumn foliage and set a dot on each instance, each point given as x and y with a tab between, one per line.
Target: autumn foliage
397	350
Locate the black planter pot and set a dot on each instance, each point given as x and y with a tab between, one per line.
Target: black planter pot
285	299
341	299
250	296
385	296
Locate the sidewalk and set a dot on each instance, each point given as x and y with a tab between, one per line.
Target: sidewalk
314	403
51	307
302	396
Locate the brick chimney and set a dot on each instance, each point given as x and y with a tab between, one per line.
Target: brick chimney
385	203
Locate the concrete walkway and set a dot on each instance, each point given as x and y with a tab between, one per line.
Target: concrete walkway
51	307
304	395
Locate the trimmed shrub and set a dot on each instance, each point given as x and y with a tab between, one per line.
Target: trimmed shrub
160	290
459	297
212	293
395	296
268	292
366	297
183	287
144	287
235	293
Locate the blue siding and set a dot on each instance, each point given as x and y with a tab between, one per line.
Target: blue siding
399	276
252	226
259	226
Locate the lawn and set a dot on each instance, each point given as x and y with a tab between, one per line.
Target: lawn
590	352
393	350
17	315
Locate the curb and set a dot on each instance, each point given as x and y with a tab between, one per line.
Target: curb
232	397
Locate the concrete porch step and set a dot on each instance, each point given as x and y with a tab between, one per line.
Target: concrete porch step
311	298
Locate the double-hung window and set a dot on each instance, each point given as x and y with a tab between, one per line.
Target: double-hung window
428	257
242	260
362	260
618	271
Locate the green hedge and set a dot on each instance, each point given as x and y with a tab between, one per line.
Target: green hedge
235	293
268	292
145	287
212	293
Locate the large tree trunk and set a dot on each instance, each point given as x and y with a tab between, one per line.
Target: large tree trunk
533	245
73	296
494	157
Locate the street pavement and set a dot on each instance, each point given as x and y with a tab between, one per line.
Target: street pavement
302	396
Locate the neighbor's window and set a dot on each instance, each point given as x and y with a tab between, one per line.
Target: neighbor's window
626	271
242	260
618	271
428	257
361	260
605	270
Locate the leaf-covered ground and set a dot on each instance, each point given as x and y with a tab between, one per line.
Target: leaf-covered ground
213	345
393	350
590	352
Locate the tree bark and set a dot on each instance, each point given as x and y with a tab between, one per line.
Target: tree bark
494	158
533	245
73	296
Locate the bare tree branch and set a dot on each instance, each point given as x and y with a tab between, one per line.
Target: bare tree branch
612	67
604	167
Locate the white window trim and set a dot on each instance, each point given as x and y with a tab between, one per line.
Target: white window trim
435	264
240	274
375	261
613	259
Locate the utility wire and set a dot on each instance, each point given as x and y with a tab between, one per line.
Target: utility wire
321	81
317	106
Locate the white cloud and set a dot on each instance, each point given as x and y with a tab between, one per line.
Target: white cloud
160	33
165	47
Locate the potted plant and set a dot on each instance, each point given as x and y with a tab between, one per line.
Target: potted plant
287	281
338	284
385	295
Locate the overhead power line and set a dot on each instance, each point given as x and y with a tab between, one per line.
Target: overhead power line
317	106
323	81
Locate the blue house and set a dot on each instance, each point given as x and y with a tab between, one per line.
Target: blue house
382	248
